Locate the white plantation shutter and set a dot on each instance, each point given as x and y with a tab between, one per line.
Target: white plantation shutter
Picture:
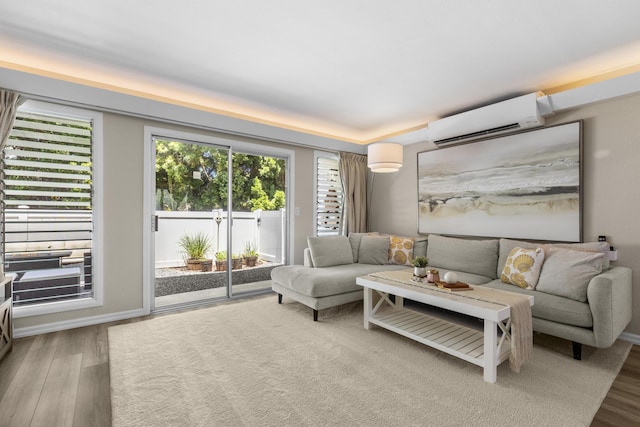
47	208
329	199
47	163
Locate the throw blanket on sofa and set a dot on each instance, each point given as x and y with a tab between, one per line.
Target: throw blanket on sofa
520	312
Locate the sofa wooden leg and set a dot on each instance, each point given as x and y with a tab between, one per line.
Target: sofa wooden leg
279	298
315	315
577	350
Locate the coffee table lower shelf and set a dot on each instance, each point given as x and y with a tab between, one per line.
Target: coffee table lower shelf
457	340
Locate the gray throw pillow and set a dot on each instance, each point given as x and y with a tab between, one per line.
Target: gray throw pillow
420	247
567	273
329	251
374	250
470	256
601	247
355	239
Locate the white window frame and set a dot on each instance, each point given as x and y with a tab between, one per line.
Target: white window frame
97	211
317	154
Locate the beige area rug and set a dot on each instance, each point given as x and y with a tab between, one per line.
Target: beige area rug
257	363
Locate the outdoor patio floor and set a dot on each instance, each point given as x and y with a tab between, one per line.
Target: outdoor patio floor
220	292
172	281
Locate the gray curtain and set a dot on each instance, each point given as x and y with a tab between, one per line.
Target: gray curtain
353	173
9	102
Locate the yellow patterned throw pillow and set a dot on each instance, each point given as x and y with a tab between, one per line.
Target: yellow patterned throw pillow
523	267
400	250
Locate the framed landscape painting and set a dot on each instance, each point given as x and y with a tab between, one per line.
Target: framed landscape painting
526	185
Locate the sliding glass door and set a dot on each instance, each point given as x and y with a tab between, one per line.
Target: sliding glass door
259	226
219	220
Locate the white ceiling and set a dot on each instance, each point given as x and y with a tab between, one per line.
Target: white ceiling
355	70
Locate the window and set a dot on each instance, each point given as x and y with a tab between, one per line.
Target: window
329	199
48	178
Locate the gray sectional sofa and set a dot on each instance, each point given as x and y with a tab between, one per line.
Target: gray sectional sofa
579	296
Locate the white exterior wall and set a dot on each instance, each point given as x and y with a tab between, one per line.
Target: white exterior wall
247	227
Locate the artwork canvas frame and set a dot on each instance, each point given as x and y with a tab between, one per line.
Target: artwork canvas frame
526	185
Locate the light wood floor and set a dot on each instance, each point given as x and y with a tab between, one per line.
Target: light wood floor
62	379
621	407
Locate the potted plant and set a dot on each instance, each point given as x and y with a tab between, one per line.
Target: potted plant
236	261
420	266
195	247
206	264
250	254
221	261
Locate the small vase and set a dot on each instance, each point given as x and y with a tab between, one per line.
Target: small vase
433	276
419	271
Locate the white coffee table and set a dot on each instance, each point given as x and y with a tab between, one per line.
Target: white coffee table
474	346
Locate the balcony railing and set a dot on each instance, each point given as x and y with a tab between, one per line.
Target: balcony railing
48	252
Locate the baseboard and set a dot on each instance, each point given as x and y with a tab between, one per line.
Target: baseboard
28	331
635	339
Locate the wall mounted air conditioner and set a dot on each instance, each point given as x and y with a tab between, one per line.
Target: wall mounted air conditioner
507	116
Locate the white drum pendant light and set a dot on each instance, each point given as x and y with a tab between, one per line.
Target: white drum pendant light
384	157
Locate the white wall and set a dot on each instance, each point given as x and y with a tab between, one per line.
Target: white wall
611	137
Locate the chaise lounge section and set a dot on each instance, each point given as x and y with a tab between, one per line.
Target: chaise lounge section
331	265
